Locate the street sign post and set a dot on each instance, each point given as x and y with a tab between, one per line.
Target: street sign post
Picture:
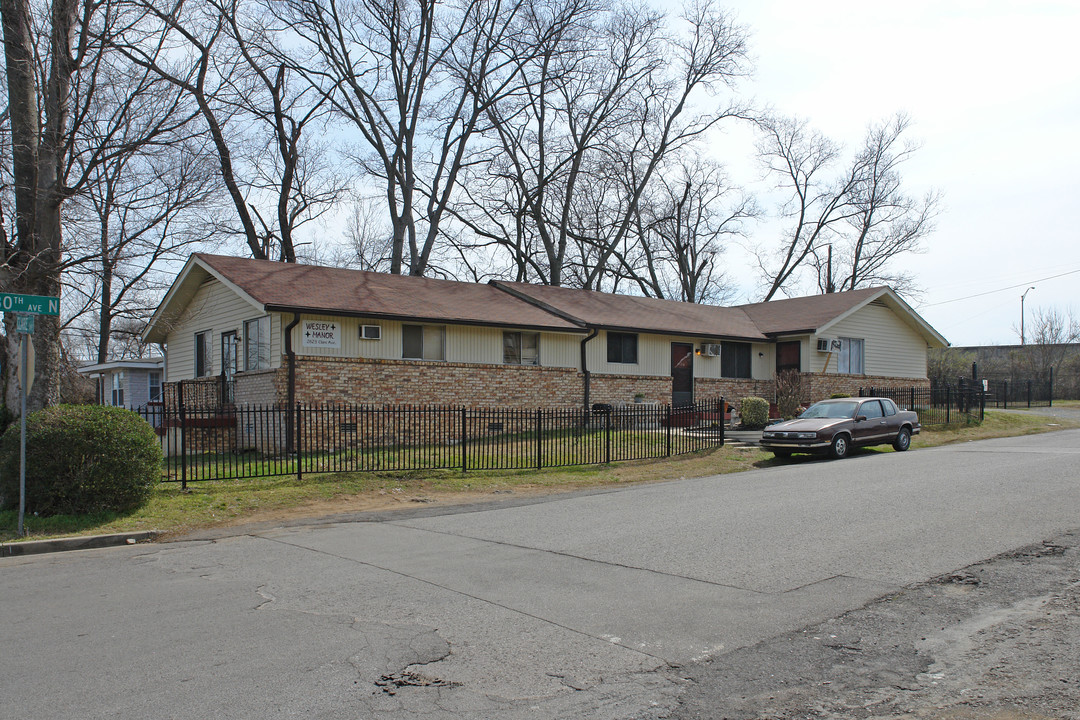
25	308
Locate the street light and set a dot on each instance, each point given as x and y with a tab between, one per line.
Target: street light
1022	314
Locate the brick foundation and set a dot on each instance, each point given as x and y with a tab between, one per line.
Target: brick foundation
365	381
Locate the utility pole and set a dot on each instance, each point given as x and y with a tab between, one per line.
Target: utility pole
1022	297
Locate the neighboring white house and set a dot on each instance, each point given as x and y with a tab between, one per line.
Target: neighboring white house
127	383
282	332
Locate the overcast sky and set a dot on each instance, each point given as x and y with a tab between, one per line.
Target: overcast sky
993	91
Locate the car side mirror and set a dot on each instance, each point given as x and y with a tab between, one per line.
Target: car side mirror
860	418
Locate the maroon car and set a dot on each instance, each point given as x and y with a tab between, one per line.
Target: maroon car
836	426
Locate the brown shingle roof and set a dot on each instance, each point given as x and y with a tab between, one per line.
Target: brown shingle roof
640	314
312	289
805	314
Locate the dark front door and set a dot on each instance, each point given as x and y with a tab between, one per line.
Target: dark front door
788	356
682	374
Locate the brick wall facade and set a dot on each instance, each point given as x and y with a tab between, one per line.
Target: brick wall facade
817	386
402	382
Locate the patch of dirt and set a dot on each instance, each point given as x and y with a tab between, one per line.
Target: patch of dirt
999	640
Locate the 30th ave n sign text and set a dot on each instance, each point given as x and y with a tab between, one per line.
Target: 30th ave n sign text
35	304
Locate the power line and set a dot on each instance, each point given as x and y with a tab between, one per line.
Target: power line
991	292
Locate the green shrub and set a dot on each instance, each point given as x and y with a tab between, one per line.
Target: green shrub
754	412
836	396
81	459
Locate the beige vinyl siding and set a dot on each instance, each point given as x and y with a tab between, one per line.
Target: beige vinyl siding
891	347
762	361
464	343
654	357
216	309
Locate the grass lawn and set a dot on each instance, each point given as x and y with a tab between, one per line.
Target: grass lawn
212	504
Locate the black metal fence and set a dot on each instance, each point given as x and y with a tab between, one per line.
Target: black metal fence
937	405
225	443
1013	393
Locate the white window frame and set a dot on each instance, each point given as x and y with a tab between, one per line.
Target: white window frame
151	396
207	358
118	388
432	342
844	358
261	344
514	342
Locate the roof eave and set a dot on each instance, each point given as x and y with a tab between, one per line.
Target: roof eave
420	319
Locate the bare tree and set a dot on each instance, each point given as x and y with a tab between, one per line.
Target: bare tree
56	57
415	79
220	53
141	211
854	217
800	159
681	229
1052	332
606	101
886	222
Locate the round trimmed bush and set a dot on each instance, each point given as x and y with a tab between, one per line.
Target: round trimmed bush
81	459
754	412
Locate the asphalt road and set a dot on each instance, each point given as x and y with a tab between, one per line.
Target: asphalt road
592	605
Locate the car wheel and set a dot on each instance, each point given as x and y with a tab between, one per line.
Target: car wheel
840	446
782	453
902	441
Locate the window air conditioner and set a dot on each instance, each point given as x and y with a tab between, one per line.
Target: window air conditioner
710	350
823	344
371	332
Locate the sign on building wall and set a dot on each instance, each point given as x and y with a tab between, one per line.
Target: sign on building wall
321	333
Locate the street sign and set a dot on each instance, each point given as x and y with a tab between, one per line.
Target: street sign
24	323
36	304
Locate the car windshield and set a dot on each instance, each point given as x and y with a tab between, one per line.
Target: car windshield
830	410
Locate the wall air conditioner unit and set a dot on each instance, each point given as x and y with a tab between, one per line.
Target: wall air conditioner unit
710	350
370	332
823	344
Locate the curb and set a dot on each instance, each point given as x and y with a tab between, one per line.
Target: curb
35	547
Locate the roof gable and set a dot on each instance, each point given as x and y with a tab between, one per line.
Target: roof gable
291	287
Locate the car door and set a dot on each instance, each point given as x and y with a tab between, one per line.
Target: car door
873	427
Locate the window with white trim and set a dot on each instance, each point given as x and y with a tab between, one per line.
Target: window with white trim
850	357
118	388
203	365
153	386
521	348
423	342
257	344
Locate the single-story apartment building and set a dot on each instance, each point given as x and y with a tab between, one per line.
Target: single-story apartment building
126	383
284	333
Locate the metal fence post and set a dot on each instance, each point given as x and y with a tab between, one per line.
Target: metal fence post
464	443
299	445
1050	390
183	437
911	406
948	403
1029	394
1005	394
607	437
539	441
982	406
723	413
667	412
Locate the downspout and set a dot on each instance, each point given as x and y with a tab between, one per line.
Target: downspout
291	391
292	359
585	364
